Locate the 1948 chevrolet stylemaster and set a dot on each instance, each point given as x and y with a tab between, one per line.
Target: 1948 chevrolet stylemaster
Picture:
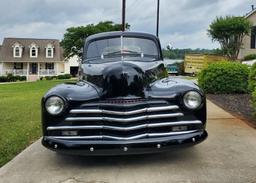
122	104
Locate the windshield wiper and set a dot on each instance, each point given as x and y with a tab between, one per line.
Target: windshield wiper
123	52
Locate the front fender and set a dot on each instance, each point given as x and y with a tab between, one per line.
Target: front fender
81	91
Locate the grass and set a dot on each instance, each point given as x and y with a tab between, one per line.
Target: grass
20	116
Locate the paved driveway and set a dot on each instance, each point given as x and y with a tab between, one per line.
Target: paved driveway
228	155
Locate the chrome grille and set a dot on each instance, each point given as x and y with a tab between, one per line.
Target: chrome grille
123	120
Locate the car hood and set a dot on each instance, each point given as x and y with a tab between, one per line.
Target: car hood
124	78
168	88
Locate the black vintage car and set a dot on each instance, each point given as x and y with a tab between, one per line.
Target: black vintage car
122	104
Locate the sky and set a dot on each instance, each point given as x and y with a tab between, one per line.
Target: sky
183	23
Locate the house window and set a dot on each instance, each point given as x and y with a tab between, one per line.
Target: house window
17	51
49	66
33	51
49	51
253	37
18	66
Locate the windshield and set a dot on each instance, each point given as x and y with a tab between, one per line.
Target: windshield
124	48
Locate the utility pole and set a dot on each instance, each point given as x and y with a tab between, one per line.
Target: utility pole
123	15
157	21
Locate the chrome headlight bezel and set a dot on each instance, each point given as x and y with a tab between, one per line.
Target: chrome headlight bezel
192	100
55	105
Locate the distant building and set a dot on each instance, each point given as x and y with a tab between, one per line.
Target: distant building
34	58
249	42
71	66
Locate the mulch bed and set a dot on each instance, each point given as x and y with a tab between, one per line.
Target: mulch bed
237	104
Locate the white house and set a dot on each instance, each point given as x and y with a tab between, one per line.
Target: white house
71	66
33	58
249	41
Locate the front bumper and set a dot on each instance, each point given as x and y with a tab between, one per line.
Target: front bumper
121	147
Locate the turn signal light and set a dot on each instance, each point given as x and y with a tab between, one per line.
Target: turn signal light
179	128
69	133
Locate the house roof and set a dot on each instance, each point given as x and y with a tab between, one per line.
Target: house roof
6	52
250	13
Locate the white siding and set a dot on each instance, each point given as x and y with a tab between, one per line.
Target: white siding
61	68
72	62
1	69
246	47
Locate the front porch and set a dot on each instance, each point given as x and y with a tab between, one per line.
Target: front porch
32	70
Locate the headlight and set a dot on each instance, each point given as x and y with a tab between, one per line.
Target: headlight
54	105
192	100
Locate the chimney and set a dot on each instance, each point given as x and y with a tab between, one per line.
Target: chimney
252	7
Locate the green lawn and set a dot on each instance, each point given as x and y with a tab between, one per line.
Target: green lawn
20	116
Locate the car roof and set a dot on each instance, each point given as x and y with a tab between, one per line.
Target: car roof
120	33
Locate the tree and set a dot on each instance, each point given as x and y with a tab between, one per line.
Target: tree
177	53
229	32
75	36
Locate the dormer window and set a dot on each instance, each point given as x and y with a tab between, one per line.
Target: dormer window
17	50
49	51
33	51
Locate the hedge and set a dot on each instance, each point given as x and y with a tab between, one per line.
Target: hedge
224	78
64	76
11	78
252	78
250	57
254	100
252	85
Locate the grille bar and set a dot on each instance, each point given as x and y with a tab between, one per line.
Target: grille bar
137	127
144	135
115	119
99	111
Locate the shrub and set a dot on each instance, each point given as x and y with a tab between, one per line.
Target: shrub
250	57
11	78
64	76
224	77
252	78
48	77
67	76
3	79
254	100
23	78
60	76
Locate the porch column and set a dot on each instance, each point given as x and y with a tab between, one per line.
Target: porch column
27	70
56	68
38	70
2	69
